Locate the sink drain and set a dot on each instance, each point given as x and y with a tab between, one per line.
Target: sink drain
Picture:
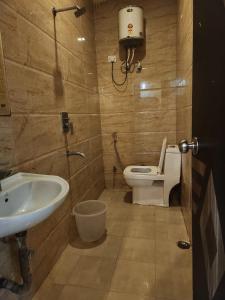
183	245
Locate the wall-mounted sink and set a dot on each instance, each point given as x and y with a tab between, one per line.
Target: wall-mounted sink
28	199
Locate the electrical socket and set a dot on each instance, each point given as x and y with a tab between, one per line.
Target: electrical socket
111	58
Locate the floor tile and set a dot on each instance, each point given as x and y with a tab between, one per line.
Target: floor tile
106	195
80	293
65	266
134	278
172	232
118	196
169	215
177	285
177	232
116	227
137	229
168	252
131	262
141	250
93	272
141	213
117	213
121	296
48	291
108	247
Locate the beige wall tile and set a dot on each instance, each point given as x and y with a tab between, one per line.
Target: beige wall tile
6	145
94	125
37	12
95	145
96	168
155	121
116	104
76	162
95	190
115	181
149	99
148	103
152	141
93	103
58	238
125	141
76	98
117	123
21	134
111	161
81	128
54	163
38	235
80	183
49	71
46	134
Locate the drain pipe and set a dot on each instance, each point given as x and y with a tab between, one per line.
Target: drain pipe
24	262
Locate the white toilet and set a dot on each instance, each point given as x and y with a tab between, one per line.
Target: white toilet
151	185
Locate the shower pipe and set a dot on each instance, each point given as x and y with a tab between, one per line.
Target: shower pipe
115	139
79	11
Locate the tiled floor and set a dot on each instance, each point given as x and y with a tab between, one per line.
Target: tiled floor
138	259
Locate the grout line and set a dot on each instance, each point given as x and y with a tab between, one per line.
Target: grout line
54	114
140	112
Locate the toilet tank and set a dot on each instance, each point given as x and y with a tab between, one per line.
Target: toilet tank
172	165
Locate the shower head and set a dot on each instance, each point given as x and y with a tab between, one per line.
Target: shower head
79	11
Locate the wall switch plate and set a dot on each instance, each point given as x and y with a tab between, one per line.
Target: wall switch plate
111	58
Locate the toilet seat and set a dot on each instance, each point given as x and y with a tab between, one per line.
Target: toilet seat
148	172
153	174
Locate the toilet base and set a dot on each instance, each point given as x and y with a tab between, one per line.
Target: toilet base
148	195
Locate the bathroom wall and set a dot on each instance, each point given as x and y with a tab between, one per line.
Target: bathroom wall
49	71
184	98
144	111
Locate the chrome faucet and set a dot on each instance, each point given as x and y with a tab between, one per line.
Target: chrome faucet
71	153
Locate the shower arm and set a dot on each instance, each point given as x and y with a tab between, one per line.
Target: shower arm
55	11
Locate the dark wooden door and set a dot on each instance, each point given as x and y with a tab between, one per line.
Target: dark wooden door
208	175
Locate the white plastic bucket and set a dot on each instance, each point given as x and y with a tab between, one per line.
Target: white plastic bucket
90	218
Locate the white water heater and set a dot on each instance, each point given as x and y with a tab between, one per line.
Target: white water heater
131	26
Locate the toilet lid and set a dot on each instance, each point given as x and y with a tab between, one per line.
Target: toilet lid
162	155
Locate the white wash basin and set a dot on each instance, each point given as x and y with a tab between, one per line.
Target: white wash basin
28	199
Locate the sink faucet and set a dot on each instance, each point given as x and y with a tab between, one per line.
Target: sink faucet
71	153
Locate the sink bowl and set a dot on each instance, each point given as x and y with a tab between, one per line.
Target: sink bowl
28	199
